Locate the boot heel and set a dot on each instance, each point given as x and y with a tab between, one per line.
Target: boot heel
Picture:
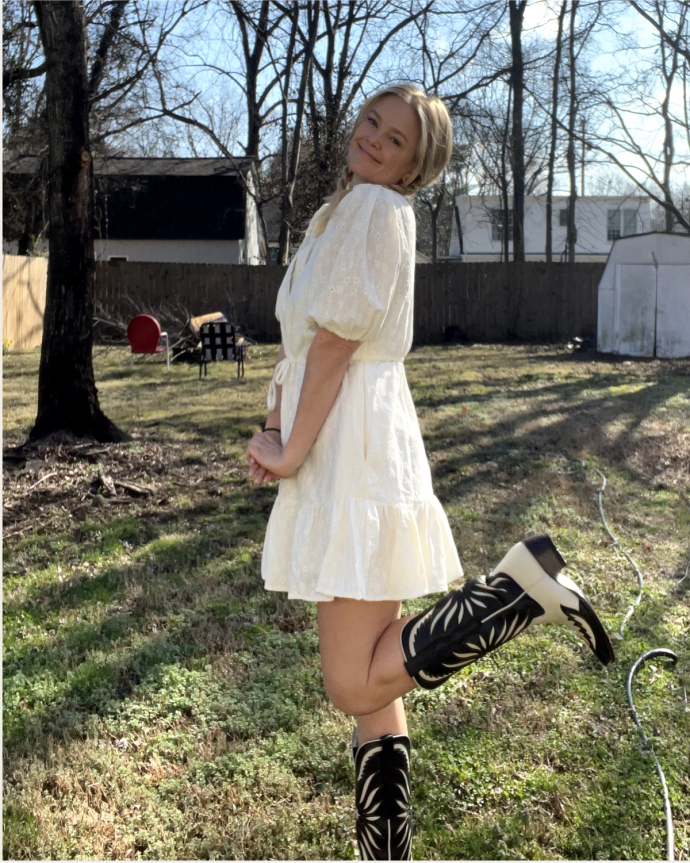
545	553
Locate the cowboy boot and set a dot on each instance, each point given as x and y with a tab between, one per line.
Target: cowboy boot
466	624
382	797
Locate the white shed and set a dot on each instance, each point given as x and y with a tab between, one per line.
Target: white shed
644	297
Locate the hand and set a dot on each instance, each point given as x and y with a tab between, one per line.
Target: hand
267	460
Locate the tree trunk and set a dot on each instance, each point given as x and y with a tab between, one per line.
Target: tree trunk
435	213
505	199
67	395
571	233
289	172
517	11
252	61
554	136
669	149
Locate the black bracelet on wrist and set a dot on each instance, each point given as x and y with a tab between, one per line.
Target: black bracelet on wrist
273	429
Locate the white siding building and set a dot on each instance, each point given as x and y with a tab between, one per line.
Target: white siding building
599	220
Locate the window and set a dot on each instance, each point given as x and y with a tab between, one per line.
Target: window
613	225
629	222
497	223
563	217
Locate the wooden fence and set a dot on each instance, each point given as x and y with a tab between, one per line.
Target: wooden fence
494	302
248	292
23	300
489	302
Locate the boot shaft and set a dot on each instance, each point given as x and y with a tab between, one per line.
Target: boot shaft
383	798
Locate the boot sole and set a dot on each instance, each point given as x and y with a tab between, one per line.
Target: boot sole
585	619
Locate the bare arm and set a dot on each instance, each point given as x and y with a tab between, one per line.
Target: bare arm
327	362
259	473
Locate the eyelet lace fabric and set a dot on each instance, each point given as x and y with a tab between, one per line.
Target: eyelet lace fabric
359	519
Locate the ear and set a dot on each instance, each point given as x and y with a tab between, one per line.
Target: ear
408	174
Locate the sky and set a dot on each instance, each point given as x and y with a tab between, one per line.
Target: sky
225	100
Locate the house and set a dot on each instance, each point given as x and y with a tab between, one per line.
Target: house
477	233
170	210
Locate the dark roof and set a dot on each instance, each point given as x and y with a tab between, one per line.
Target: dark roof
169	207
147	167
161	199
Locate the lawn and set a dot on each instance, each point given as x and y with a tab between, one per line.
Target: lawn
158	704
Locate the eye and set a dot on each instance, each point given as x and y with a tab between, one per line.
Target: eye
372	121
395	141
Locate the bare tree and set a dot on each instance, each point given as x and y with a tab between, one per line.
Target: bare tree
440	64
342	67
554	133
571	230
67	395
629	100
290	145
669	62
517	12
435	206
677	41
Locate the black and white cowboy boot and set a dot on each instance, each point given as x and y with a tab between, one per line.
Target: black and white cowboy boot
382	797
526	587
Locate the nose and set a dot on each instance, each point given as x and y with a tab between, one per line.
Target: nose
374	138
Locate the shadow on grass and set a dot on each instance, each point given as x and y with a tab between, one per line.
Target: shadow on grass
205	590
237	616
575	429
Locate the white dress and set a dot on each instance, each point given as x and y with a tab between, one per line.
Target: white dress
359	519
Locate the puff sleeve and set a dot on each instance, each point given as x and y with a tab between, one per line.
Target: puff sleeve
358	266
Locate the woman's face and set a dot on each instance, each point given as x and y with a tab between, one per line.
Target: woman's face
383	145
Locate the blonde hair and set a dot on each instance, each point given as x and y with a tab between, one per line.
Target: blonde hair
433	150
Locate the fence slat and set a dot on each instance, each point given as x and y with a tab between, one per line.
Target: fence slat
24	282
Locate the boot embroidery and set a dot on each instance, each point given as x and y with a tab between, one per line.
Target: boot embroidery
487	612
382	795
490	611
579	624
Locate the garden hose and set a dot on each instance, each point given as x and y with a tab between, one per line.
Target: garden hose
660	651
640	577
647	742
687	572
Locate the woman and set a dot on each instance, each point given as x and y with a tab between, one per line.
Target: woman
356	527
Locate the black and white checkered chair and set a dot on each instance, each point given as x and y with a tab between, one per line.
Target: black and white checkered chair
220	341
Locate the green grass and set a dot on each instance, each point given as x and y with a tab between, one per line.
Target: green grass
159	704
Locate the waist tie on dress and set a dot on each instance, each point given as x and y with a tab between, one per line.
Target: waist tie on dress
282	367
276	381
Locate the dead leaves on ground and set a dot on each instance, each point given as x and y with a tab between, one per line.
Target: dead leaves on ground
49	487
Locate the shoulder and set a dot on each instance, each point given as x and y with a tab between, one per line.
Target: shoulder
368	202
380	196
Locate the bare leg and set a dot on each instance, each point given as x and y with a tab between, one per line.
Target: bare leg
362	660
388	720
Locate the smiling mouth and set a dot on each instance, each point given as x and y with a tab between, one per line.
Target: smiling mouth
368	154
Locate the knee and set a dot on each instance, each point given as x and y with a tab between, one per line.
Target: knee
346	695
